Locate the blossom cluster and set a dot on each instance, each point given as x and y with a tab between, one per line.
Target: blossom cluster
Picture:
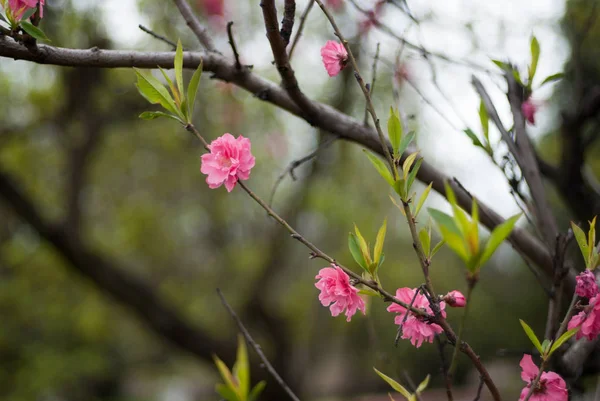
19	7
588	320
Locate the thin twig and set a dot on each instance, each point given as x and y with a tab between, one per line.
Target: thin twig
236	55
257	348
411	304
303	17
479	388
411	385
297	163
159	37
447	378
199	30
372	86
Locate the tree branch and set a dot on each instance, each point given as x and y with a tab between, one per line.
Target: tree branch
199	30
326	117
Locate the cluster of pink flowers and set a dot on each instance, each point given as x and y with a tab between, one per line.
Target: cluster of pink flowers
337	291
586	285
588	320
229	160
335	57
529	108
414	327
18	7
551	387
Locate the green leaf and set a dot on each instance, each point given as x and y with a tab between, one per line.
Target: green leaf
517	77
423	385
501	64
422	199
552	78
3	18
535	56
258	388
395	385
545	344
364	247
226	393
179	67
437	248
34	31
450	233
241	369
355	251
27	14
226	375
473	137
561	340
378	250
499	234
381	168
406	140
444	220
532	336
174	90
413	174
369	292
581	241
485	121
155	92
408	162
151	115
192	90
425	240
395	131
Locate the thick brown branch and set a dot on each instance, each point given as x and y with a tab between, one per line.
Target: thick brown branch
326	117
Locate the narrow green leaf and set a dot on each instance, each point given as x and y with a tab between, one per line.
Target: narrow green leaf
226	393
364	247
425	240
258	388
406	140
34	31
456	243
174	90
534	340
535	56
380	167
552	78
413	174
192	90
517	77
581	241
378	250
561	340
395	385
437	248
179	67
226	374
444	220
369	292
499	234
501	64
545	344
473	137
408	162
27	14
155	92
423	385
395	131
241	369
485	121
355	251
151	115
422	199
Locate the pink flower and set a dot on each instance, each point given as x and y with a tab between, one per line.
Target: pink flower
551	386
586	284
588	320
336	291
455	299
212	7
334	57
18	7
415	327
529	108
335	5
229	159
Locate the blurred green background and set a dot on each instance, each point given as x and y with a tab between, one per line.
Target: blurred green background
131	191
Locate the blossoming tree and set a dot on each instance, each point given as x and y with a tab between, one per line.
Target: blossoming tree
420	313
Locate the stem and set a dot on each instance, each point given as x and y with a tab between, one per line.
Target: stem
453	363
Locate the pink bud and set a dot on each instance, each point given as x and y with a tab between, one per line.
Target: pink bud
586	284
529	108
455	299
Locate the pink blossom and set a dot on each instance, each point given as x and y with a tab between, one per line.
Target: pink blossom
334	57
586	284
229	159
551	386
415	327
336	291
18	7
529	108
335	5
455	299
588	320
212	7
